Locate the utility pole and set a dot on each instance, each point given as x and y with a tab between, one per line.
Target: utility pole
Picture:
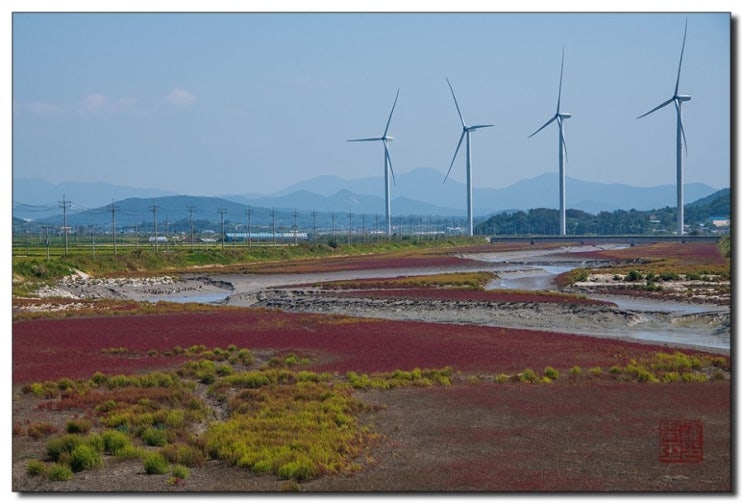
27	231
273	223
350	217
64	205
295	226
314	226
92	235
248	236
363	227
153	209
167	232
221	221
113	224
190	222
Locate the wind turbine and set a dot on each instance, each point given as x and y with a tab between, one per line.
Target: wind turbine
387	164
677	99
465	131
563	152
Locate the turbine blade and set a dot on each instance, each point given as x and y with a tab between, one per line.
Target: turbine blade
390	117
389	163
678	75
559	89
544	126
681	124
479	126
461	137
455	103
364	140
656	108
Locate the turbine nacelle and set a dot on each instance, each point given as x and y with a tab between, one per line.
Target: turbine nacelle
683	97
477	127
565	115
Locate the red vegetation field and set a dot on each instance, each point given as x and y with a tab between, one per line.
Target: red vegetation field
586	434
677	253
562	437
76	348
352	263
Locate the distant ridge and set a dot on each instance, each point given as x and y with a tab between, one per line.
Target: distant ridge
38	192
418	192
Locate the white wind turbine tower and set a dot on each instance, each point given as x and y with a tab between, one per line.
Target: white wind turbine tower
387	164
677	99
563	156
465	131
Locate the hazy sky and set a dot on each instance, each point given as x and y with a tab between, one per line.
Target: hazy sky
228	103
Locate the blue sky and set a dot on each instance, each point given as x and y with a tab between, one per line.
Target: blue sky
210	104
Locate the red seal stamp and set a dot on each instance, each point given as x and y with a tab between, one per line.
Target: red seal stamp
680	441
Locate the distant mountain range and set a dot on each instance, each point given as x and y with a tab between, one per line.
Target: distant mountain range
423	190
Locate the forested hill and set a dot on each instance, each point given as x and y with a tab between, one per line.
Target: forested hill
697	215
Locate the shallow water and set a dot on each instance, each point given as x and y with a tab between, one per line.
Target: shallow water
527	270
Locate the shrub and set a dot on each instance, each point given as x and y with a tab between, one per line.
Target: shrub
671	376
301	469
633	276
56	447
41	429
85	457
245	356
79	426
65	384
528	375
115	442
183	454
694	377
224	370
718	375
596	371
575	371
152	436
551	373
291	360
155	463
106	406
98	378
180	472
60	472
36	468
500	378
641	374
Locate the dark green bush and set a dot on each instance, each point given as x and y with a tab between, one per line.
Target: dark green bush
152	436
155	463
56	447
60	472
115	442
79	426
85	457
